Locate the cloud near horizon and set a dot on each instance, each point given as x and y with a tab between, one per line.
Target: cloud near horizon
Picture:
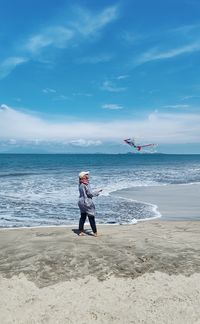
158	127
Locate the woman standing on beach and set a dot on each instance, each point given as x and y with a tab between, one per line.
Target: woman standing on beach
85	203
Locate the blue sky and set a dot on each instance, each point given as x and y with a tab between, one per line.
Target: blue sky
81	76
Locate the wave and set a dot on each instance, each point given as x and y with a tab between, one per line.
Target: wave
18	174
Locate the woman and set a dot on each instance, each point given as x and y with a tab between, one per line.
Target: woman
85	203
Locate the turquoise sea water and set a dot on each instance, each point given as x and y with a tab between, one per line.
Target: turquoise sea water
42	190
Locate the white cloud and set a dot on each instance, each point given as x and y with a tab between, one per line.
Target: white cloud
94	59
10	64
82	94
186	30
131	37
89	23
173	43
112	106
176	106
155	54
12	141
56	96
61	97
4	107
121	77
157	127
84	25
85	143
111	87
189	97
54	36
49	90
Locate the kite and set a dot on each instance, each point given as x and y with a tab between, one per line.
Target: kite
131	142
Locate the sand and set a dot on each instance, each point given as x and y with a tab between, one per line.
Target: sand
173	201
143	273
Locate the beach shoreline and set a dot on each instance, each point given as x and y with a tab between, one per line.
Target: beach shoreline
168	202
146	273
171	202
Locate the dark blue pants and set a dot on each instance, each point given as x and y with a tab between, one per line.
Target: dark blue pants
91	220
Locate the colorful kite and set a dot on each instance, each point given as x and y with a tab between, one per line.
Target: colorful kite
131	142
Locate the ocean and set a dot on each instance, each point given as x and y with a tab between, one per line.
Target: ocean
42	189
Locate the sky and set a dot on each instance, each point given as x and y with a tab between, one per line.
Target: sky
81	76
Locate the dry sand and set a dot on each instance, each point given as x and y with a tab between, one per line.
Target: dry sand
144	273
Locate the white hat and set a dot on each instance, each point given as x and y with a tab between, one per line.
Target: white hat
83	173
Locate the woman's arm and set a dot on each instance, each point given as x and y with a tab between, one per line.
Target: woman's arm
91	193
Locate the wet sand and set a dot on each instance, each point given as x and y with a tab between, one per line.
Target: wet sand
173	201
